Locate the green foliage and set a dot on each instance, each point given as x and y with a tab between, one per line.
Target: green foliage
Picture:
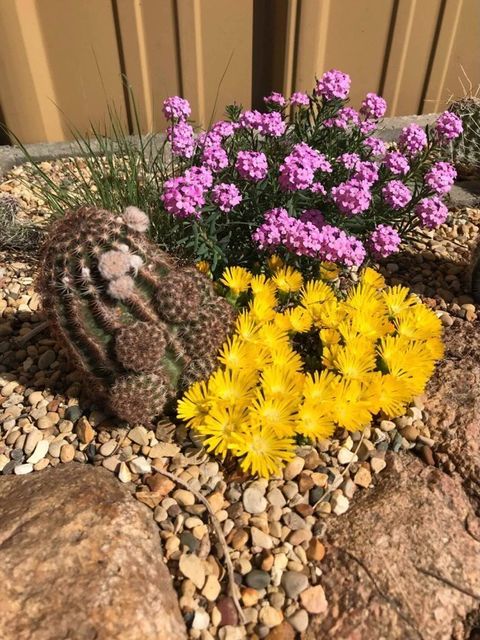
137	324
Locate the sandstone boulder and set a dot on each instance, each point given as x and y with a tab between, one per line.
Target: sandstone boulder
80	559
404	562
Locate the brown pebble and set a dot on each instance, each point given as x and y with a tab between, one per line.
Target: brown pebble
84	430
250	596
283	631
239	538
160	485
426	455
305	482
228	612
267	561
303	509
67	453
316	550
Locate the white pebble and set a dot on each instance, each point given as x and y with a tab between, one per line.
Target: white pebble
22	469
40	452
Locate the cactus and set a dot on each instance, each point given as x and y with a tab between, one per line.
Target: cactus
466	148
139	325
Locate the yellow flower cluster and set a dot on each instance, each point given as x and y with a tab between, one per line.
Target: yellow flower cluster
374	350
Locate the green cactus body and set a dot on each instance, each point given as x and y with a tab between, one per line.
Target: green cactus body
138	325
466	148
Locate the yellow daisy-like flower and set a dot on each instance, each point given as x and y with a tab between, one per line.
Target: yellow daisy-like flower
235	354
237	279
273	412
393	394
372	278
195	404
329	314
294	319
262	309
418	323
275	262
203	266
349	411
314	421
328	271
261	451
234	388
219	426
398	299
271	336
315	293
246	327
329	336
285	356
261	286
282	382
287	280
354	363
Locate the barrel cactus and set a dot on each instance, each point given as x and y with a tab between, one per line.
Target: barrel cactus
139	325
466	148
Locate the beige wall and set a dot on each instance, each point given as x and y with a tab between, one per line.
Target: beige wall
62	61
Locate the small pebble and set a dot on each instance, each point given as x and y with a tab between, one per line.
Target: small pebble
254	501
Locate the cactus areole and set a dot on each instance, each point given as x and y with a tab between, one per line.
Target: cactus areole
136	323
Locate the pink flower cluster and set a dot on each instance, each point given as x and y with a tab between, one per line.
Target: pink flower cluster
440	177
226	196
396	194
252	165
376	146
431	212
384	240
412	140
300	99
298	168
333	84
275	98
396	162
448	126
183	196
182	139
349	160
366	172
305	237
215	157
202	175
272	124
352	197
344	118
373	107
176	108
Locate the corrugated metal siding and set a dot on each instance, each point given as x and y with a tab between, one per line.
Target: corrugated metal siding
62	61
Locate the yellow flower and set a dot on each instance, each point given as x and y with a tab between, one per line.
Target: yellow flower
314	294
393	394
263	453
329	336
203	266
195	404
314	421
418	323
372	278
237	279
235	354
328	271
287	280
285	356
275	262
296	319
349	410
262	309
272	336
232	387
219	426
320	387
281	382
260	285
275	413
398	299
246	327
329	314
354	362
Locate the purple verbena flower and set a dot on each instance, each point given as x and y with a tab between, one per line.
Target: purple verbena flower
272	124
352	197
333	84
396	194
431	212
176	108
396	162
384	240
412	140
373	107
448	126
366	172
202	175
250	119
440	177
215	158
275	98
182	197
349	160
300	99
252	165
182	139
367	126
226	196
376	145
343	119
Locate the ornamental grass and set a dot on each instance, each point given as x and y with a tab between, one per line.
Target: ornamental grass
306	358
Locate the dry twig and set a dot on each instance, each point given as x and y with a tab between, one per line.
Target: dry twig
221	538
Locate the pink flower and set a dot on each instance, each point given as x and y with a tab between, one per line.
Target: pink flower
300	99
181	137
333	84
384	241
183	197
352	197
441	177
448	126
397	163
226	196
431	212
412	140
349	160
366	172
377	146
250	119
200	174
373	106
252	165
272	124
215	158
396	194
275	98
176	108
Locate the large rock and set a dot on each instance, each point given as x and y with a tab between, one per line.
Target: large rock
453	406
404	562
80	559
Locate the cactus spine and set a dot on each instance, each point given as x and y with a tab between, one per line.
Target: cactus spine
466	148
138	325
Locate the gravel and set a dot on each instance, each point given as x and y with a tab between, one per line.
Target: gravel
274	528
